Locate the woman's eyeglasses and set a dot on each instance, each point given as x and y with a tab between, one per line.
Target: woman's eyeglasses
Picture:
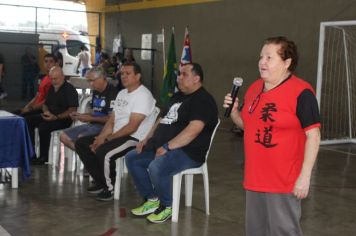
254	104
255	101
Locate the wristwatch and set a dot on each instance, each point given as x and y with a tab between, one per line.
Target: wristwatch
165	146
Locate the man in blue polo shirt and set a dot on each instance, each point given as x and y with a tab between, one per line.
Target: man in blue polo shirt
103	95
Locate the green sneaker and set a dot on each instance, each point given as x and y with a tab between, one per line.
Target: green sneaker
146	208
160	215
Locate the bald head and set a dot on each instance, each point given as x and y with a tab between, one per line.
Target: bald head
57	77
56	70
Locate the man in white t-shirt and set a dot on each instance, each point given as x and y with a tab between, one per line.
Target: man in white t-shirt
129	123
84	60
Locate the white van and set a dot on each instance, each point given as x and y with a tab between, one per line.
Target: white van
56	37
68	43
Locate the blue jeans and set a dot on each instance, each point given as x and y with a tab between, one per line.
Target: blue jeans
84	71
76	132
153	176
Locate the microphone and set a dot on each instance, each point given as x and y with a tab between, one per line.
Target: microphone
236	84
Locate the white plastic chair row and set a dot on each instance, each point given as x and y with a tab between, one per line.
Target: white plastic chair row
120	162
189	174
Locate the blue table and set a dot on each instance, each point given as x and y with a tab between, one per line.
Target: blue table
16	149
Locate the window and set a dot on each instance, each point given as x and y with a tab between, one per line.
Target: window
73	47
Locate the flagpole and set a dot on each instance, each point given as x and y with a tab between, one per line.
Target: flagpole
186	51
172	29
190	48
163	48
170	72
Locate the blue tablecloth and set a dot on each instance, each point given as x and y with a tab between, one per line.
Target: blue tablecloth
16	149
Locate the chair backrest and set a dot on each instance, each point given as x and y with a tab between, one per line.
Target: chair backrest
83	107
152	119
211	139
84	102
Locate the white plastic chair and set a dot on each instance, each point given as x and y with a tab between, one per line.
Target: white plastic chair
189	174
74	162
55	144
120	162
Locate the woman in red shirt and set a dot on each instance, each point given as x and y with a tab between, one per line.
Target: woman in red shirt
280	118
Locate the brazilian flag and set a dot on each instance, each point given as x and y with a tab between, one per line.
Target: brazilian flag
170	74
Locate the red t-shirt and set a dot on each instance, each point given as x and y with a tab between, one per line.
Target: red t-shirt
273	136
43	90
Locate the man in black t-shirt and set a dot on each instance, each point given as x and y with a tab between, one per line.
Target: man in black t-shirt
179	141
103	94
61	101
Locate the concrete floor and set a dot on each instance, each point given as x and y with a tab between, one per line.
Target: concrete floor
55	202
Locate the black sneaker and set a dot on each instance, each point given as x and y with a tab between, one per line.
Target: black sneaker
105	195
95	189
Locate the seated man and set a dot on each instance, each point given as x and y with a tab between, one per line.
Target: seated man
128	123
35	105
179	141
61	100
103	94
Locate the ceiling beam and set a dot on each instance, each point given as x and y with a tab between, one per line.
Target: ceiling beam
147	4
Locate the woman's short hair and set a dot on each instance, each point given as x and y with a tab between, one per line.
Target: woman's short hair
288	50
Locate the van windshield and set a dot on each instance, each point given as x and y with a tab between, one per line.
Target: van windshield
73	47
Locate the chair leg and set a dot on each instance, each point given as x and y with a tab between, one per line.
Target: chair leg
188	189
118	179
2	174
206	190
56	149
79	164
14	178
37	143
69	154
123	168
177	181
51	149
